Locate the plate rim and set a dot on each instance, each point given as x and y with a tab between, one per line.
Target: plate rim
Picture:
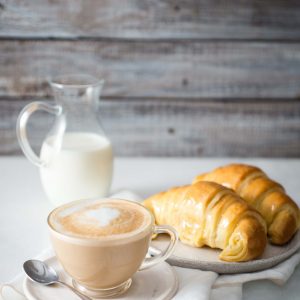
236	267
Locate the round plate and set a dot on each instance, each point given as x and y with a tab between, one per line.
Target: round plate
207	258
159	282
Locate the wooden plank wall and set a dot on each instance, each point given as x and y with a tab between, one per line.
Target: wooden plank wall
183	78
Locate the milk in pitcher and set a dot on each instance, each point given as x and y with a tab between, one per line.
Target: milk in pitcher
82	167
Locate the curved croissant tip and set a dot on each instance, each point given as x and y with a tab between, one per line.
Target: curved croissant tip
236	250
244	247
283	227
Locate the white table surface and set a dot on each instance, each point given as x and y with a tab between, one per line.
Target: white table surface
24	207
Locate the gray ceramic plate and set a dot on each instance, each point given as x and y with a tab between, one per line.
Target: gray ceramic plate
207	259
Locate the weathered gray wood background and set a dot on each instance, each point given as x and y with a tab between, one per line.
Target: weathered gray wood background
183	78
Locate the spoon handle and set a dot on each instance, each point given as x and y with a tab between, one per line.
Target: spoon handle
80	295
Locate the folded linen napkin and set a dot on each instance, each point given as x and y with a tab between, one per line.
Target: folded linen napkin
204	285
193	284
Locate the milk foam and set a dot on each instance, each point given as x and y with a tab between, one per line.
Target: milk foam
95	219
104	215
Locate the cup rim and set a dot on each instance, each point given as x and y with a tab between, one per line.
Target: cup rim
110	239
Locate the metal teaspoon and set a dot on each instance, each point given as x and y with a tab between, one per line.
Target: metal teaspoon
41	273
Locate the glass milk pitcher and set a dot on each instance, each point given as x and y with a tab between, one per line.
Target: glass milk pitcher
76	159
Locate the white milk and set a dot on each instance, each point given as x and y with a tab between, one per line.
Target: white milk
81	169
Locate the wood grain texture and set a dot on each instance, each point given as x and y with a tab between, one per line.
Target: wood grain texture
161	69
181	127
151	19
183	78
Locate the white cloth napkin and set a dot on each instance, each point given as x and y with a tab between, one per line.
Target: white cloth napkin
193	284
204	285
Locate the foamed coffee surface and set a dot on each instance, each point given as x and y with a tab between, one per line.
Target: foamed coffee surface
99	219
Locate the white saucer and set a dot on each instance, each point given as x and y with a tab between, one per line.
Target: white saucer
207	259
159	282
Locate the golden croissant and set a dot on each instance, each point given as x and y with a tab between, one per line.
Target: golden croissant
280	212
209	214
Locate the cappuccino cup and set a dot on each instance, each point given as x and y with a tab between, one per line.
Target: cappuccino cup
102	243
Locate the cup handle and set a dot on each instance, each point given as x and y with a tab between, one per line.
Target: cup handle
162	256
22	120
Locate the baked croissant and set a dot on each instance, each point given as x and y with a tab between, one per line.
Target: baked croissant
209	214
267	196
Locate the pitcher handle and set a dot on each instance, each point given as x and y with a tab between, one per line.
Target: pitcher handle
22	120
161	256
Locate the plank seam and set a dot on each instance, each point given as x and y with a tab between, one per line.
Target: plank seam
140	99
147	40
